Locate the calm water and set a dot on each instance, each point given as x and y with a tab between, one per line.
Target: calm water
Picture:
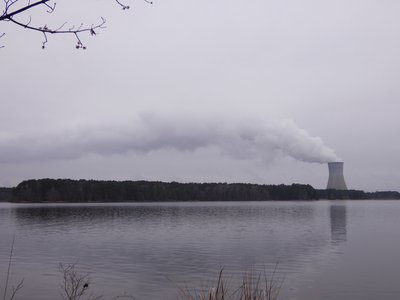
324	249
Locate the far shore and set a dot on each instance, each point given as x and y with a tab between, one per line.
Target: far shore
96	191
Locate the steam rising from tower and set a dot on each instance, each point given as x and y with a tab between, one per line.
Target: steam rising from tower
336	178
237	138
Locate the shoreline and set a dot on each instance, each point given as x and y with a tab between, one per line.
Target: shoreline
97	191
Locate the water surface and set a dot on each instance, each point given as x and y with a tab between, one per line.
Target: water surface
323	249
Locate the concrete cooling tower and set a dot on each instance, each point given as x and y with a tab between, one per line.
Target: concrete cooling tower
336	178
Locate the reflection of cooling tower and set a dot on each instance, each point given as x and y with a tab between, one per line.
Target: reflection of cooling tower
338	223
336	178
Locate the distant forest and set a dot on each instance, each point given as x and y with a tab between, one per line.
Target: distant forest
67	190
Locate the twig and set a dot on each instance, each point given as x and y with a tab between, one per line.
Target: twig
20	284
9	268
16	289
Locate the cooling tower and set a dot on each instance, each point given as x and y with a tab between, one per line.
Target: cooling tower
336	178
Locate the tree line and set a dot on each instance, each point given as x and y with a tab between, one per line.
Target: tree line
67	190
356	195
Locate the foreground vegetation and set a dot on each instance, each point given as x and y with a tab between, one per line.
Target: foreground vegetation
75	285
253	287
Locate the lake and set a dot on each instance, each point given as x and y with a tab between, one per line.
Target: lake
320	249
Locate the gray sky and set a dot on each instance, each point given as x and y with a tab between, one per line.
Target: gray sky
226	91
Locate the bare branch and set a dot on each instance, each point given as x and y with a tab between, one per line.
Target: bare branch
59	28
8	15
8	4
45	40
45	30
122	5
1	35
51	8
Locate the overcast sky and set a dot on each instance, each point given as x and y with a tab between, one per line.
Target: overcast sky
217	91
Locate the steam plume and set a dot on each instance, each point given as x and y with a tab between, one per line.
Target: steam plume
241	139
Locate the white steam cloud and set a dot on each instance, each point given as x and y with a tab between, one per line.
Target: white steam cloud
241	139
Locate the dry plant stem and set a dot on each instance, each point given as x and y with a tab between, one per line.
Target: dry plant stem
218	292
20	284
16	289
252	288
75	284
9	267
273	286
